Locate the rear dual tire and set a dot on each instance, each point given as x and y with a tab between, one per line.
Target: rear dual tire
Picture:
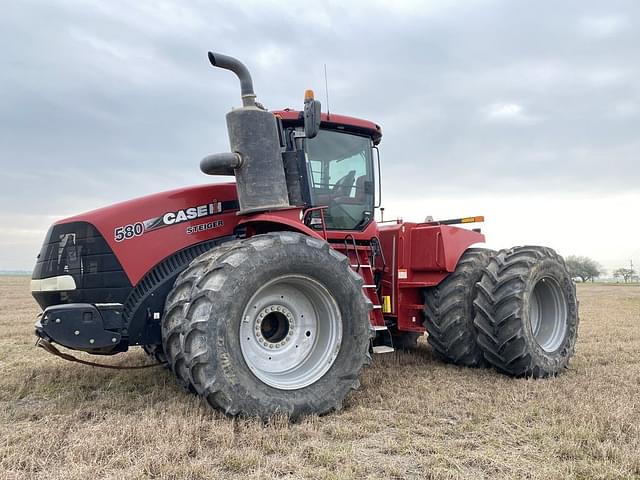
527	312
515	310
449	311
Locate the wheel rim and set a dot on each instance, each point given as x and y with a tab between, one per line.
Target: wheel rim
548	314
291	332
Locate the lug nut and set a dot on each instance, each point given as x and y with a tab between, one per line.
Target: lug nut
77	332
92	341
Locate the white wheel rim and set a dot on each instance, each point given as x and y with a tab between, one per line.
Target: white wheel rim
548	314
291	332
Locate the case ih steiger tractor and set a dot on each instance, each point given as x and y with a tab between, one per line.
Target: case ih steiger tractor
269	294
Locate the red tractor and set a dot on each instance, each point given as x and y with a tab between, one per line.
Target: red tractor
269	294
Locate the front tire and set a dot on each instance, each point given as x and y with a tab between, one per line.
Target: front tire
527	312
277	323
173	319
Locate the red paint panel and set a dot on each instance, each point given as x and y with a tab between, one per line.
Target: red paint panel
424	255
438	248
427	252
139	254
410	315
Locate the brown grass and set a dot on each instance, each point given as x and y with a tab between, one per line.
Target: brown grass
413	418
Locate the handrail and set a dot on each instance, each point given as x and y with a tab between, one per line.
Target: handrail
355	249
321	209
377	241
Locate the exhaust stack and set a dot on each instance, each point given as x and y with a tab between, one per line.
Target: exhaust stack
236	66
255	158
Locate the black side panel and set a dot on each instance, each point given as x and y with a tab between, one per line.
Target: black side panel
144	307
78	249
297	180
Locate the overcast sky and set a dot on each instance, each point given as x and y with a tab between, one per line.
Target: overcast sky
526	112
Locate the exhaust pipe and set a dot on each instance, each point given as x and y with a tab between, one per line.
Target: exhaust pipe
236	66
255	158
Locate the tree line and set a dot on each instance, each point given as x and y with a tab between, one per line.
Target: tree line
587	270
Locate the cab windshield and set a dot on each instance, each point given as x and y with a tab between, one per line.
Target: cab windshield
341	176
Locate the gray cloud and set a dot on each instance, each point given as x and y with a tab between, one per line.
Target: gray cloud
101	101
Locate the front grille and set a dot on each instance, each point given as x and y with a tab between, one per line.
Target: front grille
78	249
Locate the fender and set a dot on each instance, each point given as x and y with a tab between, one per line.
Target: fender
278	220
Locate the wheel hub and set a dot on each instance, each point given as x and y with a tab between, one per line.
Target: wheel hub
548	314
291	332
274	326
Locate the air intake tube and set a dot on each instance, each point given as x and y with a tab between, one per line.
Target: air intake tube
255	158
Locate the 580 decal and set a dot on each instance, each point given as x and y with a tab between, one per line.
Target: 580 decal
128	231
167	219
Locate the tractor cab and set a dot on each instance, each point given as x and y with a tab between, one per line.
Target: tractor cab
337	168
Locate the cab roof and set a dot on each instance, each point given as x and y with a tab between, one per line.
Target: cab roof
335	121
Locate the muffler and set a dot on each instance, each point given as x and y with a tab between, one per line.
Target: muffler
255	158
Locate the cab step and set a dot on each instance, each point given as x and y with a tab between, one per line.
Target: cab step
383	349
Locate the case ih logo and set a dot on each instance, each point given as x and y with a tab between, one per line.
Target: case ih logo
193	213
168	219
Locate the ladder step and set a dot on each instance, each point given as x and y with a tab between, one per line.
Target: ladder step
377	307
382	349
379	327
369	286
364	265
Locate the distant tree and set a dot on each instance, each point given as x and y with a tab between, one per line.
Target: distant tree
583	268
625	273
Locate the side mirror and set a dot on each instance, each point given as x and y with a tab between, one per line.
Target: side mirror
311	115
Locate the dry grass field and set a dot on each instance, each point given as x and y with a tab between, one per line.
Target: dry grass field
413	418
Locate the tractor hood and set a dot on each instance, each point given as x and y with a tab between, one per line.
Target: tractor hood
117	245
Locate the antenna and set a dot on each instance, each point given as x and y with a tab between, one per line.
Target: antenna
326	89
